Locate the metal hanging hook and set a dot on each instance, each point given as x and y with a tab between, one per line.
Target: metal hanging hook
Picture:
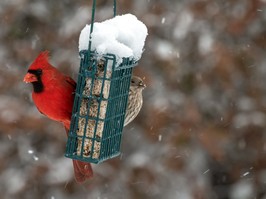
93	17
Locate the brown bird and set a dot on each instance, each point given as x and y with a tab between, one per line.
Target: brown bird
135	99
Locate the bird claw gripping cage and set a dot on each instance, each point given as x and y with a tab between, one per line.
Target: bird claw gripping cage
99	106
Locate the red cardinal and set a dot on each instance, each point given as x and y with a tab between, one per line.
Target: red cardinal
53	95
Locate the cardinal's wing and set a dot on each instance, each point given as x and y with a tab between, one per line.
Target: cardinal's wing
70	81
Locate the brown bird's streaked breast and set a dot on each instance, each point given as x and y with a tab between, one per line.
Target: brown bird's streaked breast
135	99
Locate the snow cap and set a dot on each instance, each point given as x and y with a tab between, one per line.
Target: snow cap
122	35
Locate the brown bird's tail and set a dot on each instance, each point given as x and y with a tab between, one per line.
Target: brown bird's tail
82	170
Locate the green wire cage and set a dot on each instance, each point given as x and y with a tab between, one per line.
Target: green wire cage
100	104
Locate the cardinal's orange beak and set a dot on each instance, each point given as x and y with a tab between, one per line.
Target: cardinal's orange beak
30	78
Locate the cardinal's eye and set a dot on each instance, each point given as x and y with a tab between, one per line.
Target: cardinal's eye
132	81
36	72
39	71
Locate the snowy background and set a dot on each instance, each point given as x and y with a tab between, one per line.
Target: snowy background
202	131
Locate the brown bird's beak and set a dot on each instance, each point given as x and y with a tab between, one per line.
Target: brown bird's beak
141	84
30	78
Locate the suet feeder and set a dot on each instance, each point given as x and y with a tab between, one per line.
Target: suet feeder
100	104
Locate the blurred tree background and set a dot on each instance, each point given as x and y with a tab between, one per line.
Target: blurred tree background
201	133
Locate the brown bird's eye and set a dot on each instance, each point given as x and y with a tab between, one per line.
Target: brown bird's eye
132	81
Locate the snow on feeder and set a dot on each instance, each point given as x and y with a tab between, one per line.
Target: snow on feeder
108	51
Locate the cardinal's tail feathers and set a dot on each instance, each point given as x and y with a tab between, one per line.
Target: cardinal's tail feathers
82	170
